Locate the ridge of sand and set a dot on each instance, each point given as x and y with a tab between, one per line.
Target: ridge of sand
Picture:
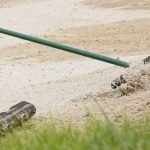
122	4
115	39
12	3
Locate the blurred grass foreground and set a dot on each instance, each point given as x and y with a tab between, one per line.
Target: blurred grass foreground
97	135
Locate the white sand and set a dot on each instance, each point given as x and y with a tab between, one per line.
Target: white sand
51	86
37	18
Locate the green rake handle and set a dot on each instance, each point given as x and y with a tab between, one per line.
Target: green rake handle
65	48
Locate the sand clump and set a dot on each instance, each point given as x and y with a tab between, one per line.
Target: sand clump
131	99
137	79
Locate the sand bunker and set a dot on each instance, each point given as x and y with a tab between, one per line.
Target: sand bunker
63	84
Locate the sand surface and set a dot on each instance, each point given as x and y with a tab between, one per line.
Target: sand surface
121	4
64	84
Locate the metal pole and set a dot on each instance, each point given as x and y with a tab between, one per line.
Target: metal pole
65	48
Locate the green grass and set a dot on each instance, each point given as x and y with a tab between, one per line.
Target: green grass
96	136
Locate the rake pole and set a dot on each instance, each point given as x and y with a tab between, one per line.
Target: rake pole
65	48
